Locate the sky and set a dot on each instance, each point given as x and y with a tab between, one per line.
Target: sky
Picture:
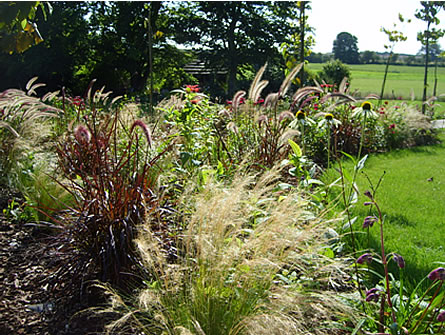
363	19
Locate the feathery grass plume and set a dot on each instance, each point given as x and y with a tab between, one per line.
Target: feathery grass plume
89	90
232	127
288	80
271	100
24	116
10	128
238	239
236	101
303	92
340	98
145	129
257	85
343	87
286	115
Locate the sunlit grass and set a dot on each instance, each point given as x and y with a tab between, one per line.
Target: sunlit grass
401	80
412	197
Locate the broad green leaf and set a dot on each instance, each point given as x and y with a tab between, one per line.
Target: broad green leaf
350	157
296	148
361	163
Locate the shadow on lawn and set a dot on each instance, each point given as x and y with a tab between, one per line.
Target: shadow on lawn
413	272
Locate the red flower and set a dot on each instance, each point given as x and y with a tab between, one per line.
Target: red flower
386	102
392	126
192	88
195	101
260	101
78	101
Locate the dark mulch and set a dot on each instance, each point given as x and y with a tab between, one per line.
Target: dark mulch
29	303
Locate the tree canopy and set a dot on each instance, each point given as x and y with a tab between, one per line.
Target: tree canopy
226	34
345	48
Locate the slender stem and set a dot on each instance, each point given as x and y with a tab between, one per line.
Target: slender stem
302	138
348	215
329	144
426	309
362	137
385	263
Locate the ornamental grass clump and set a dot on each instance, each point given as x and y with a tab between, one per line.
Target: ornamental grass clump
250	262
109	171
24	130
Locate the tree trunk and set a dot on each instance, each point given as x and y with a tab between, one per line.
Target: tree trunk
302	25
425	78
435	79
384	77
232	53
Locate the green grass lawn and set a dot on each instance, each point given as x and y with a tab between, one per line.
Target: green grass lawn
412	203
401	80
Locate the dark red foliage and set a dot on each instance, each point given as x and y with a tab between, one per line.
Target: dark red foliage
112	186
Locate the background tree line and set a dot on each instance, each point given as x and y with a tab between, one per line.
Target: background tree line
137	47
129	45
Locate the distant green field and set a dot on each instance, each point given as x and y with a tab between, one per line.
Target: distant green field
402	81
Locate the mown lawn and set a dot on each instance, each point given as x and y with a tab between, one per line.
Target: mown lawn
400	82
412	198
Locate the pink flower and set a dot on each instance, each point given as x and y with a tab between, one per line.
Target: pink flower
392	126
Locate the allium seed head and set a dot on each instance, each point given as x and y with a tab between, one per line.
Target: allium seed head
441	317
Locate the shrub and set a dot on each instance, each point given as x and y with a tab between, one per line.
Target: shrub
334	72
